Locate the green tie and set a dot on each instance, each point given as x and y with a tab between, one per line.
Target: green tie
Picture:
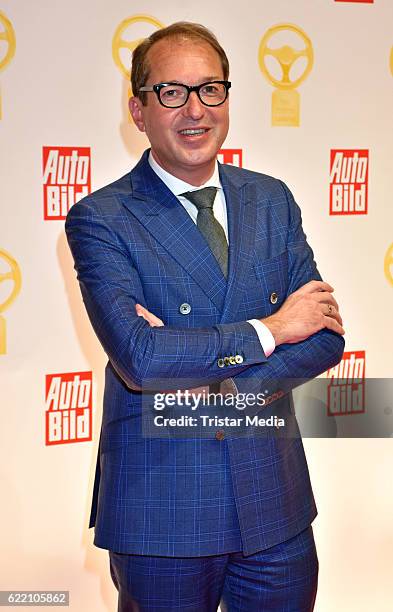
208	225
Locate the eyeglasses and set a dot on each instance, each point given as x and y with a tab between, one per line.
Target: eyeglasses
174	95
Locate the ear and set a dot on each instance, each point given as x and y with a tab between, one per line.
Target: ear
135	106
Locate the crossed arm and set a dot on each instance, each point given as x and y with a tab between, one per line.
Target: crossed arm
304	313
307	328
307	336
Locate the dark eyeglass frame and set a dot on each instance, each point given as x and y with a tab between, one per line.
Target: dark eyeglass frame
158	86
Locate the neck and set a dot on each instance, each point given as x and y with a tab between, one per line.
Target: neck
194	175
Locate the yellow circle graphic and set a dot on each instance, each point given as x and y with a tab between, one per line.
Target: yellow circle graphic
7	33
389	265
13	274
391	60
286	56
119	42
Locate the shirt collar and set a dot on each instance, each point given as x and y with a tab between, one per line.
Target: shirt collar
176	185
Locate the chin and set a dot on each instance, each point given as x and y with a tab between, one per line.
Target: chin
201	157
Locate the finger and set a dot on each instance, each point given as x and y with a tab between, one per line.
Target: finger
331	311
333	302
323	297
148	316
334	325
140	309
313	286
152	320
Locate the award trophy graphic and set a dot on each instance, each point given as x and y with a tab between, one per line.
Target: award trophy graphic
13	275
119	42
285	98
7	35
391	60
388	265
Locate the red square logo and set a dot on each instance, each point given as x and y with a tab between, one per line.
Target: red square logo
66	178
349	181
347	384
68	406
231	156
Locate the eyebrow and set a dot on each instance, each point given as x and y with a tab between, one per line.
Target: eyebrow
202	80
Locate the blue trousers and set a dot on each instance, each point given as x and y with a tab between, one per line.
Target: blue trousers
282	578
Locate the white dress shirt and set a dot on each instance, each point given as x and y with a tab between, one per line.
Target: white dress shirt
177	186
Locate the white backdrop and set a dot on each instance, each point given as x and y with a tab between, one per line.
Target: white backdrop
62	88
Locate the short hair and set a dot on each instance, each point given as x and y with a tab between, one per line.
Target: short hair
181	30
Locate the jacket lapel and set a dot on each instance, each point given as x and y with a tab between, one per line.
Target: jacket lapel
241	211
160	212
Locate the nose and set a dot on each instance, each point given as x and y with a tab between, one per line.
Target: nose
194	108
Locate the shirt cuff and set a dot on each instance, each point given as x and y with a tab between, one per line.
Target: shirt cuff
265	336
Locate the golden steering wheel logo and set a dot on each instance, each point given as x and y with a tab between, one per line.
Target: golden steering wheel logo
391	61
12	274
285	98
7	51
121	45
389	265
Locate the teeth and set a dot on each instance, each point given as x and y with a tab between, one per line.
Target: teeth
192	132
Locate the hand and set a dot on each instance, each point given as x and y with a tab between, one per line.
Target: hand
152	320
305	312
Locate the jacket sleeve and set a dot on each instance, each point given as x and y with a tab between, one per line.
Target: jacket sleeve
111	286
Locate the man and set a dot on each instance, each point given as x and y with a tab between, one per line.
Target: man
190	521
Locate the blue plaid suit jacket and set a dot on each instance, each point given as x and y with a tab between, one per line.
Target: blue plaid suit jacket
133	242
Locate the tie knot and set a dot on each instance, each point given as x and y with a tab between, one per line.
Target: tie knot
202	198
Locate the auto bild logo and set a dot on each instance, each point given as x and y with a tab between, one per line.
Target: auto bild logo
66	178
349	182
231	156
346	386
68	408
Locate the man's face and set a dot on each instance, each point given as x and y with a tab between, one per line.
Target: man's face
190	157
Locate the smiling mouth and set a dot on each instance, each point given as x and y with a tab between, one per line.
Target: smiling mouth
193	131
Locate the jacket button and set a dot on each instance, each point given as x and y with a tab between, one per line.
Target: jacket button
273	298
220	435
226	361
185	309
239	359
220	362
232	360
